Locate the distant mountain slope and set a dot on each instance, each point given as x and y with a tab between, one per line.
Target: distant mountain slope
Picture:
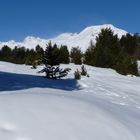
81	39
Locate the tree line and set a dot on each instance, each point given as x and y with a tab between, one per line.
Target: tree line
22	55
112	52
108	52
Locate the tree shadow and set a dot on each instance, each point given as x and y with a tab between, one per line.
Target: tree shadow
12	81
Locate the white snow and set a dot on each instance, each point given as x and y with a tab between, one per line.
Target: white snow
81	39
105	106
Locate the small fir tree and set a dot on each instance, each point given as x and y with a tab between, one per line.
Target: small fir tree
83	71
77	75
51	60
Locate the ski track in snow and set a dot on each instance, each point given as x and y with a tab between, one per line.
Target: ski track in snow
105	106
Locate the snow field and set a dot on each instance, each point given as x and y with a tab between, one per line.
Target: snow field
105	106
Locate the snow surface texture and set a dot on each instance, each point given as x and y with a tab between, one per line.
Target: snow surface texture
81	39
105	106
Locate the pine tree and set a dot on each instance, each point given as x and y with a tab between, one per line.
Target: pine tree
6	54
129	44
39	53
19	55
89	55
64	55
31	57
107	49
76	55
126	65
51	60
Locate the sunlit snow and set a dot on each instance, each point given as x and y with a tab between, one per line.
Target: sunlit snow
105	106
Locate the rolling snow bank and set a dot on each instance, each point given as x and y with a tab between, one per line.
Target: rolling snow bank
105	106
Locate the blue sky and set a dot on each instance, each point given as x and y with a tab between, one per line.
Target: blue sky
48	18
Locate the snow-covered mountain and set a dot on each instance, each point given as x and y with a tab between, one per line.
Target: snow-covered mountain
81	39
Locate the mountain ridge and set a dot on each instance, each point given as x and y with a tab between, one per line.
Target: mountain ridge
81	39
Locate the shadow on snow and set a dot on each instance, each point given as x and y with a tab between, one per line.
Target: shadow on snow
12	81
